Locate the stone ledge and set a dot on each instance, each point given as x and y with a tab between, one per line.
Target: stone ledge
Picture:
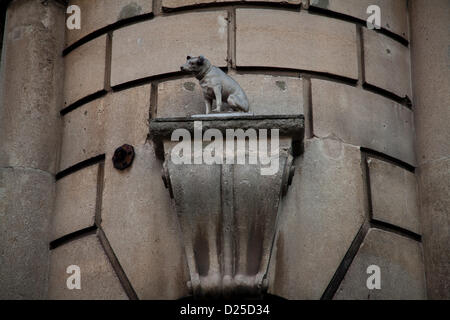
287	124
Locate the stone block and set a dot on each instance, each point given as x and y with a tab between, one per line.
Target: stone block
320	216
179	98
171	4
31	86
394	13
105	124
295	40
142	228
435	214
267	95
401	269
99	14
98	279
138	53
431	79
386	64
85	70
83	133
363	118
76	197
394	195
126	117
26	204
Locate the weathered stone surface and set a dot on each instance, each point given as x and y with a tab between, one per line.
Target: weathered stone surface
179	98
101	13
386	63
126	117
142	228
138	53
401	267
434	180
76	196
30	98
26	204
85	70
320	216
394	13
83	133
183	3
98	279
266	94
105	124
285	39
394	195
286	125
228	242
363	118
31	86
431	78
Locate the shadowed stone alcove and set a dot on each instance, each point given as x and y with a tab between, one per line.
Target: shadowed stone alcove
228	212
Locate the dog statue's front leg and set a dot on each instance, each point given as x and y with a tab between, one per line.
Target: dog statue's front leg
218	95
208	104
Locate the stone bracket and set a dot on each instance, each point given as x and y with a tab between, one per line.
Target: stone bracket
228	212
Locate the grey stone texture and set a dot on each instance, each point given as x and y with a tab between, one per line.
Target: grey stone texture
26	203
267	95
105	124
85	70
31	84
76	198
394	195
386	63
286	39
401	269
162	44
142	229
363	119
431	80
320	216
434	181
98	279
394	13
326	204
126	117
228	218
83	133
181	3
99	14
30	98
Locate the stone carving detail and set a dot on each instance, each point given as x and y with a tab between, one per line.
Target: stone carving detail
228	212
216	85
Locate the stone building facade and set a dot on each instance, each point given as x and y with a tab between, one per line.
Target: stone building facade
371	185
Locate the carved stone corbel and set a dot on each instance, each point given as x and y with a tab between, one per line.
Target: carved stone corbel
228	212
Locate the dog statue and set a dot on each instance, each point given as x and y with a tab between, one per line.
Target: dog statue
216	85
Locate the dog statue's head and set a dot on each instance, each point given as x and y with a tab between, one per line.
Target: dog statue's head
195	65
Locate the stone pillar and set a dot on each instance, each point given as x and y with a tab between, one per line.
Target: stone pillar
30	99
430	36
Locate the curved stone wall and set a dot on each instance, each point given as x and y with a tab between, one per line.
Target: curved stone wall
353	200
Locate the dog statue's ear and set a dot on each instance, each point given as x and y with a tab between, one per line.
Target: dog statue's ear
188	58
201	60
